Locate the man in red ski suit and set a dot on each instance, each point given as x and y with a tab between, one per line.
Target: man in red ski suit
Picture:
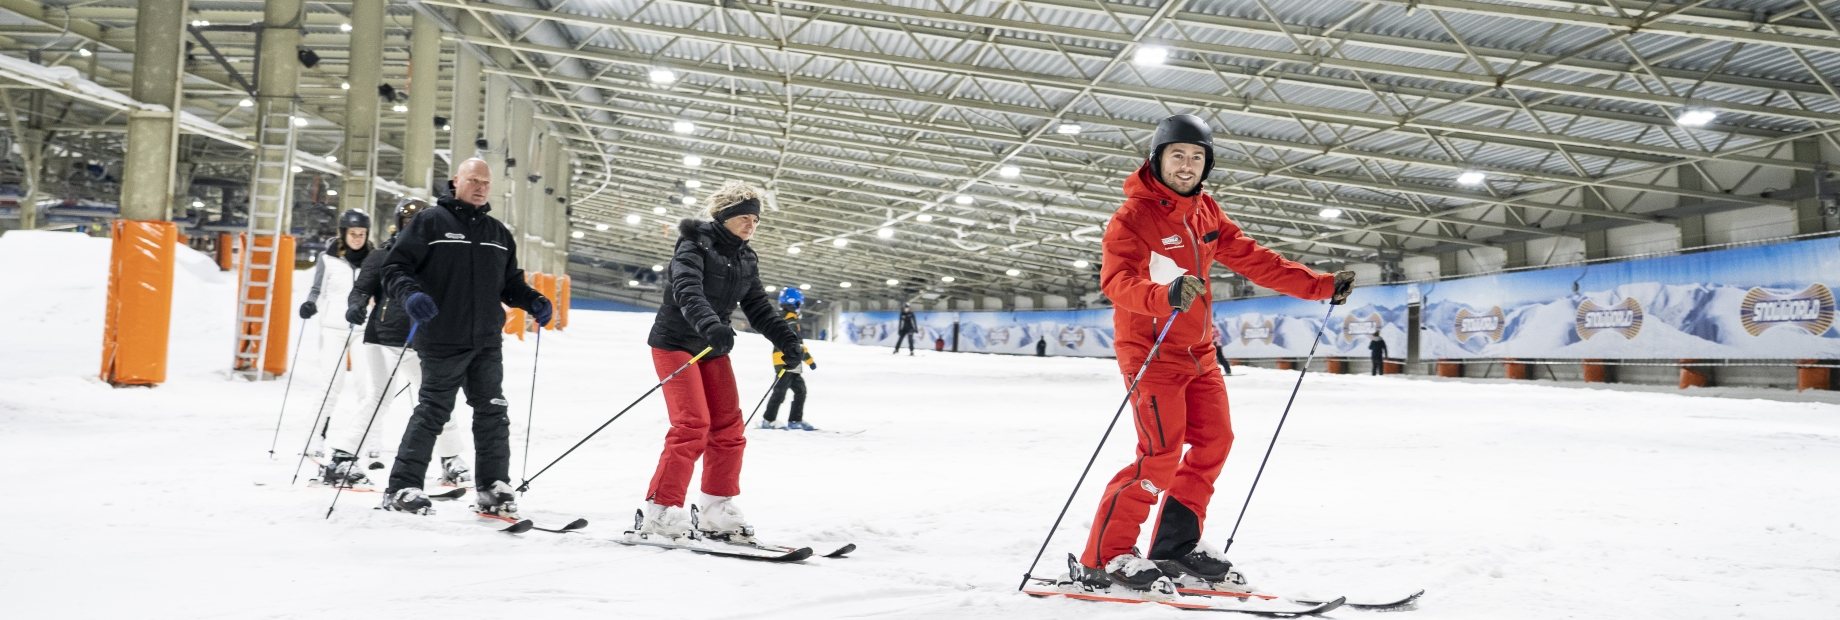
1158	249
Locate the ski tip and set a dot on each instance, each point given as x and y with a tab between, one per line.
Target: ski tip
796	555
1328	606
519	527
841	551
575	525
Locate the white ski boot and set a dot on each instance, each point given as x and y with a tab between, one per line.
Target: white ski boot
664	522
720	519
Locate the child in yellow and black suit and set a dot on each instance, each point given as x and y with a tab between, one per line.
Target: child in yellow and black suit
794	380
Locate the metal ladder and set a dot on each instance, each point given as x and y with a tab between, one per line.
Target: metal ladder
270	196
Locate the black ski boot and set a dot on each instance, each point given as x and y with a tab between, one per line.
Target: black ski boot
411	499
342	471
498	500
1128	570
1198	564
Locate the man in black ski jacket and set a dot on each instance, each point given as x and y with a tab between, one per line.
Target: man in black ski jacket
449	270
1376	352
909	327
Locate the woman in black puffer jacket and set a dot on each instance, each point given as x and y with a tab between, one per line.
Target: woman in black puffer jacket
712	270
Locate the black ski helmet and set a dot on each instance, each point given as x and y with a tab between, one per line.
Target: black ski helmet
354	219
406	209
1181	129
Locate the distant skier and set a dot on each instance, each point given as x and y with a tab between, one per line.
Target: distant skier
451	270
1376	351
1158	249
793	380
333	274
1041	346
791	302
909	327
386	327
712	270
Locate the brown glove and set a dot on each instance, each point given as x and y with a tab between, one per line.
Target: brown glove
1344	284
1183	292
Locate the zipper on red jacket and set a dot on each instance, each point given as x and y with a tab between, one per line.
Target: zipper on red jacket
1194	249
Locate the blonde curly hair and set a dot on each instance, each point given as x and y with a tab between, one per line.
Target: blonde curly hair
731	193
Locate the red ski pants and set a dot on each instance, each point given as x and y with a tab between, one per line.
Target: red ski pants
705	423
1169	410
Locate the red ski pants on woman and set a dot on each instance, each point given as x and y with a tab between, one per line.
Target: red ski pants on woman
1170	410
705	423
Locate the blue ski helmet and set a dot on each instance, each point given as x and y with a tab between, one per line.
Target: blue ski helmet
791	295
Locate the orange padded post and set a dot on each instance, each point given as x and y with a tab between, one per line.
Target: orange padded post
1595	371
1693	376
1813	378
1517	370
1337	366
1287	364
138	319
562	304
1449	369
1395	368
514	321
226	252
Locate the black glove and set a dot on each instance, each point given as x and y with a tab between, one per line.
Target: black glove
541	311
307	310
355	315
794	353
1183	292
720	337
1344	283
421	307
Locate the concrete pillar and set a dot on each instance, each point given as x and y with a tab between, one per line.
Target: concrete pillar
1692	227
555	178
1809	217
1447	265
1596	242
517	149
1517	251
496	131
467	86
361	110
424	76
153	137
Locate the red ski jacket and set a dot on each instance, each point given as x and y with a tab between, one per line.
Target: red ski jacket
1159	235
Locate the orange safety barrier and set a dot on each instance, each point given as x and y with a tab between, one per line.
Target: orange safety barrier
562	306
1813	378
281	279
1337	366
138	320
1596	372
1694	376
226	252
1395	368
1287	364
1449	369
1517	370
514	321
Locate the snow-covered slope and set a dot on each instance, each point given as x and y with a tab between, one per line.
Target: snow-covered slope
1515	501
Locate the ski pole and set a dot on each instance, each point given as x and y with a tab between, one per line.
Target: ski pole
284	392
1026	575
322	404
1274	434
763	399
382	395
531	414
525	486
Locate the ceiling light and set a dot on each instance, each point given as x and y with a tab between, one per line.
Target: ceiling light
693	184
961	221
344	85
1696	118
657	267
885	232
601	227
1329	213
344	26
948	279
332	192
632	282
893	282
447	127
300	121
200	23
804	287
297	169
663	76
843	285
399	108
1149	55
1013	272
634	219
1009	172
693	160
246	103
197	204
332	158
771	288
577	234
1081	264
660	210
924	218
84	52
1067	129
793	250
963	199
688	201
1471	178
683	127
840	242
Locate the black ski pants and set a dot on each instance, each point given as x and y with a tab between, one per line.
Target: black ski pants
792	381
481	372
907	337
1379	364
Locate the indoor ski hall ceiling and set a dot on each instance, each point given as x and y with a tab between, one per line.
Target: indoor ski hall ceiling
991	136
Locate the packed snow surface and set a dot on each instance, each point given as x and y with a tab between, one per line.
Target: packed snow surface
1504	501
